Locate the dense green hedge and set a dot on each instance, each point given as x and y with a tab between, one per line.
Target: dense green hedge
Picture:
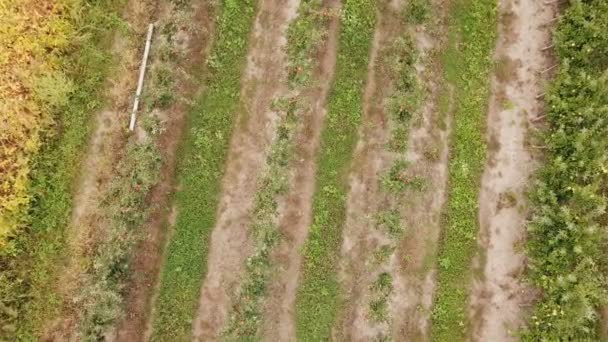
567	243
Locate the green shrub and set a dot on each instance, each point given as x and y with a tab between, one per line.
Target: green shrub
567	234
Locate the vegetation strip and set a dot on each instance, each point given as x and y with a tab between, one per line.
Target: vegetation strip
468	63
203	159
30	265
567	232
316	303
305	36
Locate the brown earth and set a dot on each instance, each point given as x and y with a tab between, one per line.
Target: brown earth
265	79
428	152
296	214
192	42
500	299
364	199
87	224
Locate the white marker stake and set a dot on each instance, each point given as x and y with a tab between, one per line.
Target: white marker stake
142	72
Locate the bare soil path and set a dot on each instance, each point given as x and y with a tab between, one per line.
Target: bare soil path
265	80
360	237
191	44
500	297
296	215
428	153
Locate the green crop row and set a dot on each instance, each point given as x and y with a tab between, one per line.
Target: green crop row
317	298
468	63
203	158
567	234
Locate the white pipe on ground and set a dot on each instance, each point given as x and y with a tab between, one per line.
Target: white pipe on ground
142	73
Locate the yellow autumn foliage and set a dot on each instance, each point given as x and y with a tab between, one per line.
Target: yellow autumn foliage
33	36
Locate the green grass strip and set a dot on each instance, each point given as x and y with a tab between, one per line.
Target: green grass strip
203	158
468	64
317	299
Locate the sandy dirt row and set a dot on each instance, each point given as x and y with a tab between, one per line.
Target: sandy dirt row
500	299
265	79
428	152
295	214
365	198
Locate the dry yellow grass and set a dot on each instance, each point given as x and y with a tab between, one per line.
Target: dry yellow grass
33	35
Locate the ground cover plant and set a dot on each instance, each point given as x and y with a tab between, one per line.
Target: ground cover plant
35	37
567	232
202	163
67	41
467	63
316	303
304	38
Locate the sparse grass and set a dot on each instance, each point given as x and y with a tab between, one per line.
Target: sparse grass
126	208
390	221
246	313
203	157
382	254
468	64
317	298
396	179
381	290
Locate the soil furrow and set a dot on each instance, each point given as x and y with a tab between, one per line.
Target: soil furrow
500	297
192	42
296	215
428	152
230	243
365	198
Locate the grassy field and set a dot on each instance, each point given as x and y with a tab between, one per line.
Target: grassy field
468	62
203	157
30	265
317	299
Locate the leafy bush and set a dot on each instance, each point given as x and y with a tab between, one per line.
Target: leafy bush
567	234
36	84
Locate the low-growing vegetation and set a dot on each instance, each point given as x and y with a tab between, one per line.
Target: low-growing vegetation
126	209
53	63
247	311
468	63
203	157
317	299
567	232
